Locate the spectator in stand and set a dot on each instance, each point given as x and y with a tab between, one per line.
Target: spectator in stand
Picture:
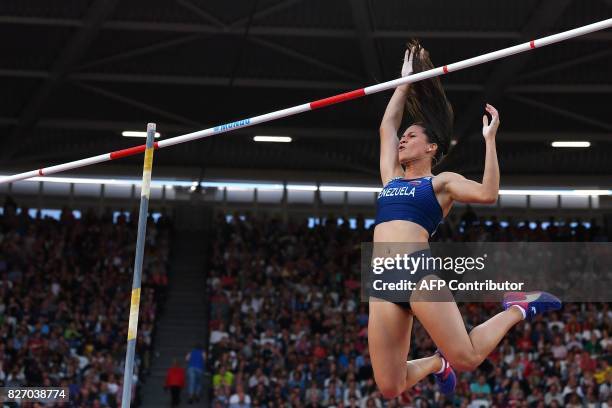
480	389
175	382
240	399
196	363
223	378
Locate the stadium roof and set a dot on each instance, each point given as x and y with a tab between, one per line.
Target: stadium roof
75	74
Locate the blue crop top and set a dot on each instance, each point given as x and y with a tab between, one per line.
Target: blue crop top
409	200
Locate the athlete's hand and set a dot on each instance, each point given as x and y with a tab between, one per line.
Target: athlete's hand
407	67
490	130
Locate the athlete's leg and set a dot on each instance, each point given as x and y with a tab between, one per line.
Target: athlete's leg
389	330
443	322
421	368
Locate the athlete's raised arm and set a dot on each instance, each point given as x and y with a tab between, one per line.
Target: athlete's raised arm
389	162
468	191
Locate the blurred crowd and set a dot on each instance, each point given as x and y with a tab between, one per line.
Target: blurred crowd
65	288
288	328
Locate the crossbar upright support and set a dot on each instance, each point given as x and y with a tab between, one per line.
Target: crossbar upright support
143	215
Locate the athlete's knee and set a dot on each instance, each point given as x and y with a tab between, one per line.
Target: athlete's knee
464	360
390	387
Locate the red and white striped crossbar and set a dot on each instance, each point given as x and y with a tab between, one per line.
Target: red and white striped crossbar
320	103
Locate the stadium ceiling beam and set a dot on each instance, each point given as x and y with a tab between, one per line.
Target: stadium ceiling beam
163	79
280	31
562	112
96	14
306	58
205	15
216	81
209	81
265	12
566	64
542	19
138	104
174	128
363	27
139	51
321	156
235	29
164	127
291	83
268	44
470	163
370	55
561	89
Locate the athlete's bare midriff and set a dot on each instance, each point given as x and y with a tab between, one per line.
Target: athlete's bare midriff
399	237
400	231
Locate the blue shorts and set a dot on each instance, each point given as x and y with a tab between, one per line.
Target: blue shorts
395	284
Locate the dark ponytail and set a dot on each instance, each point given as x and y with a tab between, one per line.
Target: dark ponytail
427	104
